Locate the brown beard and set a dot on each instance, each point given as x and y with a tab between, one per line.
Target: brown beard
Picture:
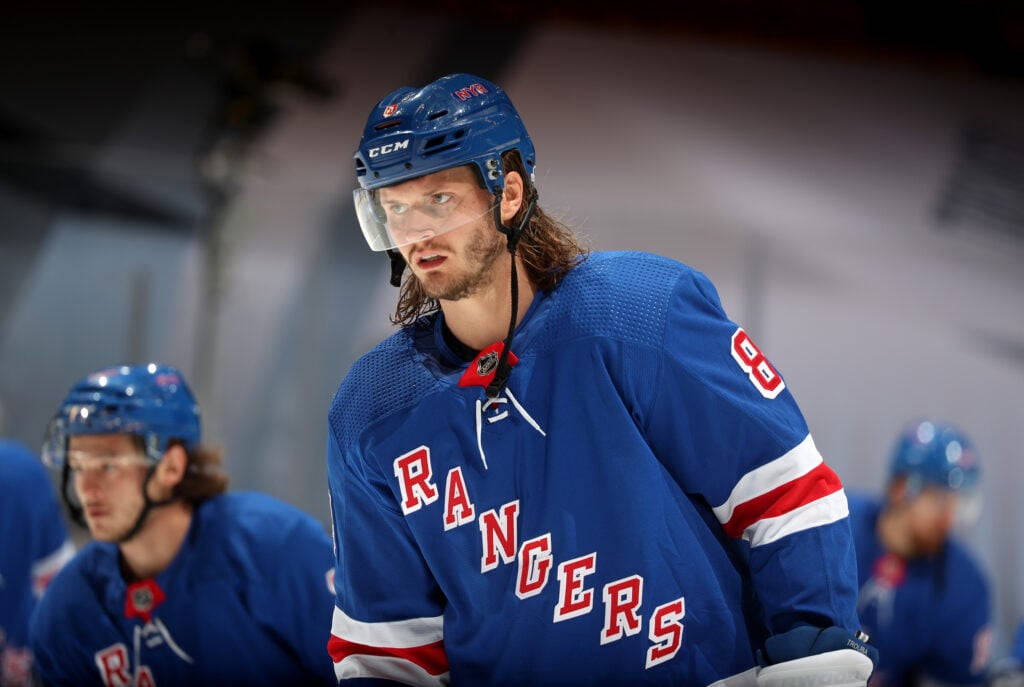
482	251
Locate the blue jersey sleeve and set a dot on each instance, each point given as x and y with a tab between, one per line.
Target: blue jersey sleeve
960	651
301	572
388	604
60	660
722	420
33	541
51	546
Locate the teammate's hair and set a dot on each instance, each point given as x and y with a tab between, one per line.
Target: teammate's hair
549	250
203	477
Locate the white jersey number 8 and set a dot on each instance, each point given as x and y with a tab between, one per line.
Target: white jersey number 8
752	361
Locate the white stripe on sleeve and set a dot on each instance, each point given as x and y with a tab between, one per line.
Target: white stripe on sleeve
796	462
399	634
823	511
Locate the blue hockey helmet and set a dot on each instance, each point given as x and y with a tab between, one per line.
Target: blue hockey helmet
456	120
932	453
150	401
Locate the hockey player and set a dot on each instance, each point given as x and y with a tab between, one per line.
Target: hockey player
184	585
923	599
33	546
564	469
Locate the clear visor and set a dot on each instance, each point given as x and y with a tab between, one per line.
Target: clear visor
390	218
84	418
102	463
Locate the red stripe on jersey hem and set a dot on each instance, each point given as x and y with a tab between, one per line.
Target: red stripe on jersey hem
818	483
430	657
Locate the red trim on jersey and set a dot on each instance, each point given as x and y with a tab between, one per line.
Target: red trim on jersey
482	373
819	482
430	657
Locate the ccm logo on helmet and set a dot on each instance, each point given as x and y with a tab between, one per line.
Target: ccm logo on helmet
388	148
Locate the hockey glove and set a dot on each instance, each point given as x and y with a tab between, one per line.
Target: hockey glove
809	656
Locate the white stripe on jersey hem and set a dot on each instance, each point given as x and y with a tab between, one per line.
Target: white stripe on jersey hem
46	567
397	634
796	462
823	511
388	667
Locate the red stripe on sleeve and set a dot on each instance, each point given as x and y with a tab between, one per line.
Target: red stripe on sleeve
819	482
430	657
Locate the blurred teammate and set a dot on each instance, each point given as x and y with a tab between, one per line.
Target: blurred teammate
923	599
33	547
184	585
630	496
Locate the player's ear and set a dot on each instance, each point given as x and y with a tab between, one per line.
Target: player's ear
512	197
171	468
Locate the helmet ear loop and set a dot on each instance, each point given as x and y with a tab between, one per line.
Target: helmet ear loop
74	509
512	236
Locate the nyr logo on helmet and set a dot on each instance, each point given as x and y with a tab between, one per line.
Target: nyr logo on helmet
388	148
470	91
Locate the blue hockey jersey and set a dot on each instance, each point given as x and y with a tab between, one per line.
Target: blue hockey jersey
640	506
246	601
33	547
928	617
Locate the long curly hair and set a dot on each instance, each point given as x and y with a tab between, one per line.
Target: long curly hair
548	248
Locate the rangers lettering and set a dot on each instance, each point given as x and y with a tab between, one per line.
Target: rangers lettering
752	361
575	601
113	665
622	598
458	509
145	678
534	566
666	631
389	148
413	471
502	531
499	537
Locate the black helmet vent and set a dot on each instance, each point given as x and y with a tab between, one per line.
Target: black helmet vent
360	168
439	144
387	124
435	115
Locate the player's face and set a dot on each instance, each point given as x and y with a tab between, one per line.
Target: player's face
930	517
108	471
458	263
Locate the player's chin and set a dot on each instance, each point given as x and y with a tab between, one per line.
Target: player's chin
931	544
101	531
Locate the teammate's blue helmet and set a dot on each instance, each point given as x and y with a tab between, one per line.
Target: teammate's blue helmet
456	120
150	401
931	453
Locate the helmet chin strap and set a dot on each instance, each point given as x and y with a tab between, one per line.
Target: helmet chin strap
148	504
512	236
397	266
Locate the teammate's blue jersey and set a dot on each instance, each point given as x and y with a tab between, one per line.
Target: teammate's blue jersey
641	504
928	617
33	547
246	601
1018	646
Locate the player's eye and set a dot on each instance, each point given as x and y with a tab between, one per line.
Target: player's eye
441	198
397	208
